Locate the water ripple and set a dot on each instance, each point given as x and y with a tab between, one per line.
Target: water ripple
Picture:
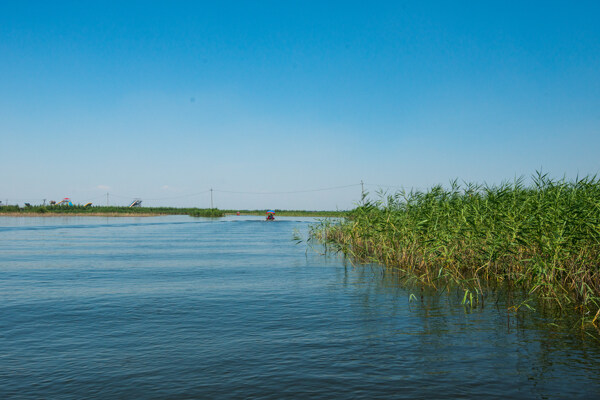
177	307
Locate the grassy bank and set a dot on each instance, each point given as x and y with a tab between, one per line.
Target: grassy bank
127	211
291	213
543	239
111	211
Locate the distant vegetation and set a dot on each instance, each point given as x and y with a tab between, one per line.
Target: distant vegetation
206	212
114	210
291	213
111	210
543	239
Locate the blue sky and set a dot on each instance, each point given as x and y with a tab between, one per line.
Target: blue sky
164	100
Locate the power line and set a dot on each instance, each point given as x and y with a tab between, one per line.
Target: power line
396	186
211	190
181	196
97	197
291	192
26	199
122	196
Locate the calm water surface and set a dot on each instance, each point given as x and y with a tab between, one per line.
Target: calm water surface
176	307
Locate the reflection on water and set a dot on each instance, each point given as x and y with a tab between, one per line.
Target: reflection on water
519	355
176	307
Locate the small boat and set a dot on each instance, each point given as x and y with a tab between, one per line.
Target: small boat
270	215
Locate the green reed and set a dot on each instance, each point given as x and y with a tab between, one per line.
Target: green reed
109	210
206	212
291	213
543	238
194	212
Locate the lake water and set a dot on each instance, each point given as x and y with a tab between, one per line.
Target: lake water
180	308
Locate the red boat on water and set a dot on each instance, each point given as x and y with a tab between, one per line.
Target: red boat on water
270	215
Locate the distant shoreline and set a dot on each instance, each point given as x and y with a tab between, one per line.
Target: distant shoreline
50	214
315	214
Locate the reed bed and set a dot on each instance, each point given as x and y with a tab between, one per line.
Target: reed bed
120	210
109	210
543	238
291	213
206	212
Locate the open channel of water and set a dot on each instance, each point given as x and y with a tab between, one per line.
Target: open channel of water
180	308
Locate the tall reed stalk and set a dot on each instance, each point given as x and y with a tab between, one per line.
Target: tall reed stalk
543	238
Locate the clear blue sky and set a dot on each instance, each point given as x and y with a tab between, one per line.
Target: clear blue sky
163	100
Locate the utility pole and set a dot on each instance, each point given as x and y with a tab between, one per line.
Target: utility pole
106	199
211	198
362	191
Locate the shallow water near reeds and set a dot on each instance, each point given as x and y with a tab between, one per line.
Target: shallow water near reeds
177	307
